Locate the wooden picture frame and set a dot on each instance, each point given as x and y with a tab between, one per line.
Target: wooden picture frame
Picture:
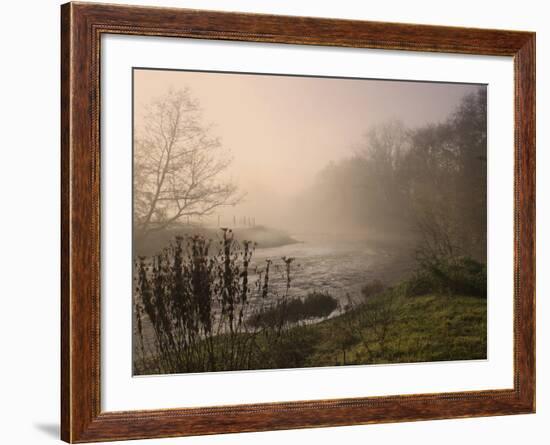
82	25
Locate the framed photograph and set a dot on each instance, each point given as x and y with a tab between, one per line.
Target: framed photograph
274	222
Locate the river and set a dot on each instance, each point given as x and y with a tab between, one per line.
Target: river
332	264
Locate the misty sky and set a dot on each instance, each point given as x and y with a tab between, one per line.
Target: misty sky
282	130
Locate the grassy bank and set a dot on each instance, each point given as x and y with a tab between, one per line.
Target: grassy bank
208	312
387	329
423	328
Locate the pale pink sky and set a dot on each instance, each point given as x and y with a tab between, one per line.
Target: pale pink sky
282	130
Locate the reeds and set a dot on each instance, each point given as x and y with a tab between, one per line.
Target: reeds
196	295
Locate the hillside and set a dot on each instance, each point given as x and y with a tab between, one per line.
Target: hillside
422	328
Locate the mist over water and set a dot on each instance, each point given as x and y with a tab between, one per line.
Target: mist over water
283	131
322	161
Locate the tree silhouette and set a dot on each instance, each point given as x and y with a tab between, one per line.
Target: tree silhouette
178	165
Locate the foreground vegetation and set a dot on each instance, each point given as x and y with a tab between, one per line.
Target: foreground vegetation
206	313
423	329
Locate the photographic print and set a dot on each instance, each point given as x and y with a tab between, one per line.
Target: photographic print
285	221
300	221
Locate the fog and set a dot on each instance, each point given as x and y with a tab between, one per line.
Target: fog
296	142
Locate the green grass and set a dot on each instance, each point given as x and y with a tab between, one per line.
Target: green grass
422	329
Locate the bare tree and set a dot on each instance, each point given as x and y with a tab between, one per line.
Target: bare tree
178	165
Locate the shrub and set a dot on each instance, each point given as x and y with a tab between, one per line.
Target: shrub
462	275
196	302
314	305
319	305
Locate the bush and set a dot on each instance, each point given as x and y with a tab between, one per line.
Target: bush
461	275
314	305
319	305
191	296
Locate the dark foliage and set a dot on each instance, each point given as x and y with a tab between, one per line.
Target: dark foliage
196	302
449	276
196	297
426	185
315	305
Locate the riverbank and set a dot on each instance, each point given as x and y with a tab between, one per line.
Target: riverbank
425	328
263	236
389	328
383	309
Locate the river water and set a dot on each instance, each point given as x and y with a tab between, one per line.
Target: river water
331	264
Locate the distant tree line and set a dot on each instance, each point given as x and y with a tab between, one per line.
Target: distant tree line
427	184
